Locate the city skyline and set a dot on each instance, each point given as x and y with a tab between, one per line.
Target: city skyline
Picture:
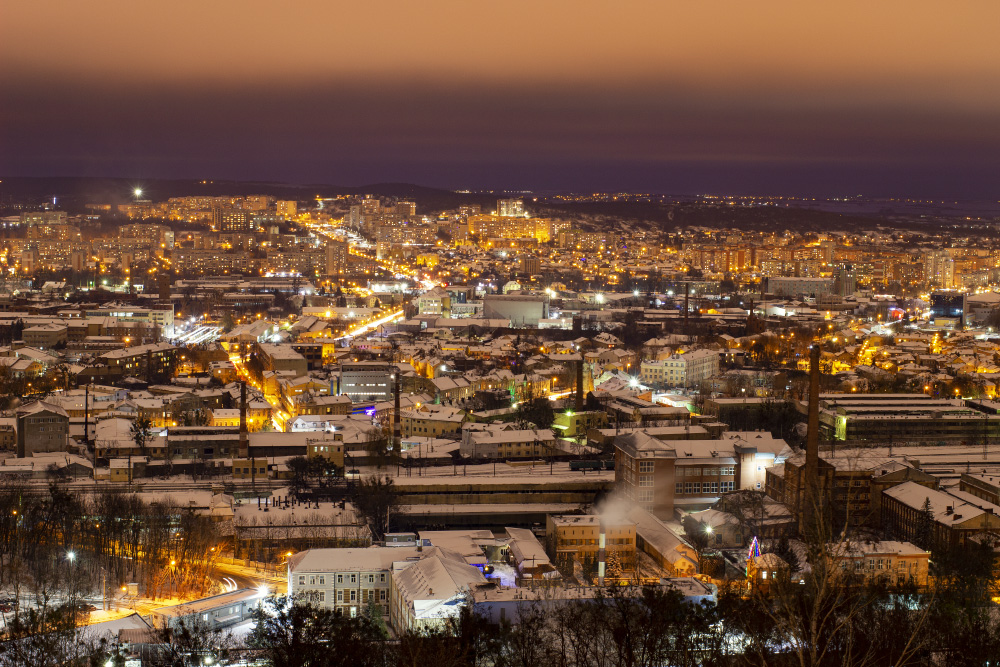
881	101
563	333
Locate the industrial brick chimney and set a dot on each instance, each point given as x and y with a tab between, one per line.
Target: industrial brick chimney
812	509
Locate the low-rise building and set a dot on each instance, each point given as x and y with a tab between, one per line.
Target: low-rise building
579	537
366	381
508	444
216	612
852	480
429	593
889	562
348	580
147	362
279	358
931	518
431	421
680	370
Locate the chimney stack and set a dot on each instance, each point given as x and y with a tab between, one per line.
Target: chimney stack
579	384
397	433
601	554
811	508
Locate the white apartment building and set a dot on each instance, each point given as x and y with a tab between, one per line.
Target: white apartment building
680	370
799	286
365	381
413	586
346	579
436	301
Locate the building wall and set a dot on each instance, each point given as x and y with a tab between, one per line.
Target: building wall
347	591
363	383
42	432
580	540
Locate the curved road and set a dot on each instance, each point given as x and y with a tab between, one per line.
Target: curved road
232	577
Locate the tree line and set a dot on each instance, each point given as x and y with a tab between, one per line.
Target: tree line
816	624
55	541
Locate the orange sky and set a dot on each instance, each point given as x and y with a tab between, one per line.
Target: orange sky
744	63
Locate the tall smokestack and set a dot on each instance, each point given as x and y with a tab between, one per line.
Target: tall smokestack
811	507
397	433
601	554
579	384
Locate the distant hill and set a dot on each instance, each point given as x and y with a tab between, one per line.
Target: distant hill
74	192
701	214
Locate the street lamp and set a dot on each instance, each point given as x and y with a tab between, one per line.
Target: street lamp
70	556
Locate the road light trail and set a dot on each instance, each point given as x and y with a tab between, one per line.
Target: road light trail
372	325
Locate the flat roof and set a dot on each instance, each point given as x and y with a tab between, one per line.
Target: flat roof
206	604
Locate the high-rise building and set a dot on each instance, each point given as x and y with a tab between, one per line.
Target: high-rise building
29	260
364	212
939	269
510	208
44	218
406	209
230	220
337	256
286	209
845	280
257	202
78	260
530	265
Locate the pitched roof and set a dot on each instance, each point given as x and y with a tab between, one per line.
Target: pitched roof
41	406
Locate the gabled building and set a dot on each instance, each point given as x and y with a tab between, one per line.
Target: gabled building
852	481
432	591
41	427
416	587
932	518
147	362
